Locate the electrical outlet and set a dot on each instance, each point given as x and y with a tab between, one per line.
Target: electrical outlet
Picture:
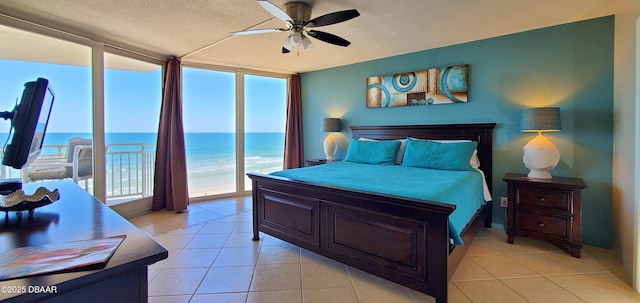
503	201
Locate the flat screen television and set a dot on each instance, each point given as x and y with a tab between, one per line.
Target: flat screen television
29	121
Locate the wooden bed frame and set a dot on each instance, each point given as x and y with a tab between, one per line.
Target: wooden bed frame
400	239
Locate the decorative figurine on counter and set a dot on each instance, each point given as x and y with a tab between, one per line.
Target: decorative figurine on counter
18	201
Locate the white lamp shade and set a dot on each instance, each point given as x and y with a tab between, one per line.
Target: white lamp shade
287	45
295	38
306	44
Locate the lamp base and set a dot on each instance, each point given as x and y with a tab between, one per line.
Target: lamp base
539	174
330	147
540	157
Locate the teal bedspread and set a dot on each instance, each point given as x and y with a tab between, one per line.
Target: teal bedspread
461	188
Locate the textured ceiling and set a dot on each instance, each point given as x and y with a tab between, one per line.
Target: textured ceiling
198	30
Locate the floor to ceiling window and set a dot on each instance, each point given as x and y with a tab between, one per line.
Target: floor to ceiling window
233	121
83	73
69	73
264	119
133	96
209	126
222	143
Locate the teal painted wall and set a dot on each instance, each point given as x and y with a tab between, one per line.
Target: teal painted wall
569	66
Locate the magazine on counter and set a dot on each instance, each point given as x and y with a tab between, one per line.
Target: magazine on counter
33	260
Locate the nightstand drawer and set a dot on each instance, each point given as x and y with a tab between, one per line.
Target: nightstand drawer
548	225
533	196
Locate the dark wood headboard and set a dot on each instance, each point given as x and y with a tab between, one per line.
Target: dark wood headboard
480	132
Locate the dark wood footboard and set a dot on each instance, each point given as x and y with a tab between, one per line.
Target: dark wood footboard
400	239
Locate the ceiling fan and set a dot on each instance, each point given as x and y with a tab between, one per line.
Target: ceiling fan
297	17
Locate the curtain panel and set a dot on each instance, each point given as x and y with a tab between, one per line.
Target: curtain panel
293	144
170	190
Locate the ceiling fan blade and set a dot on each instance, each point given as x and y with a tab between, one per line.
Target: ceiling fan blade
274	10
259	31
333	18
329	38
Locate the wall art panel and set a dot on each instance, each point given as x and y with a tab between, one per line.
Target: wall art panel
425	87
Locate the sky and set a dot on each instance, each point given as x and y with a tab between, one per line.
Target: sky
133	99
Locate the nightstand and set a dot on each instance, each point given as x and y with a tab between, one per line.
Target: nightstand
547	209
314	162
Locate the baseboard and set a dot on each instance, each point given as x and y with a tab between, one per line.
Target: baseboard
134	208
497	226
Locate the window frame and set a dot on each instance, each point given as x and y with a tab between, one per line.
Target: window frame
239	121
98	47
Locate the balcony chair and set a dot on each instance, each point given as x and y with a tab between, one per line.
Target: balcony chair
76	165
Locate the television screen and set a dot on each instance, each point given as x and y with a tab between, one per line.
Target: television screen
29	120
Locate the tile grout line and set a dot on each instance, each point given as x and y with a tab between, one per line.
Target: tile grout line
240	224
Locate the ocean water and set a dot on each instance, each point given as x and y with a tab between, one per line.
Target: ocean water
211	157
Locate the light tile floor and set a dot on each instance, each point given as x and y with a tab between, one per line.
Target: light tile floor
213	259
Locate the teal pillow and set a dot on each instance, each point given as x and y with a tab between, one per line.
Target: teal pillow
373	152
436	155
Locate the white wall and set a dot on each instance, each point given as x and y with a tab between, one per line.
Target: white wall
636	262
626	146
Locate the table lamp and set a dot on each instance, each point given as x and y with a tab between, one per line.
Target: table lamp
540	155
330	125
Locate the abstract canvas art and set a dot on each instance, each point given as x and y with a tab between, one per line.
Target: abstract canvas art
425	87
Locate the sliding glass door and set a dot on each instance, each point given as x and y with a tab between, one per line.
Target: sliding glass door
209	125
264	119
234	123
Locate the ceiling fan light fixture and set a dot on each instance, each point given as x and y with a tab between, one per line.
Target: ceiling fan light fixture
306	44
295	38
287	44
297	18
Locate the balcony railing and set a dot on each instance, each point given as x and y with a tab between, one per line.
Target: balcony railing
129	167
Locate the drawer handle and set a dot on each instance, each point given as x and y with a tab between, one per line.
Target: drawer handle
542	199
541	224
